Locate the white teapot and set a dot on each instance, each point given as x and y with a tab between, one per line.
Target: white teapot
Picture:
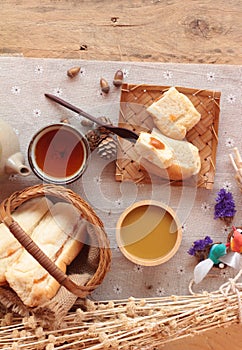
11	159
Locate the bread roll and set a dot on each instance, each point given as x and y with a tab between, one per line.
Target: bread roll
153	149
60	235
186	161
174	114
28	216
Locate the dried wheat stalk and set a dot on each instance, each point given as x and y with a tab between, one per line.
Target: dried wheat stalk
126	324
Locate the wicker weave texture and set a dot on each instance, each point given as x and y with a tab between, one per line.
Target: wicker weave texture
204	135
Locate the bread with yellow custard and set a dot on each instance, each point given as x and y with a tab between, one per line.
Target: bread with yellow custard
184	164
154	150
174	114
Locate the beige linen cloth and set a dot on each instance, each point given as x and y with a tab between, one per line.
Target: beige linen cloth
23	104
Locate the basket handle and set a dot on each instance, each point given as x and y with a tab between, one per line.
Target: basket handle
46	262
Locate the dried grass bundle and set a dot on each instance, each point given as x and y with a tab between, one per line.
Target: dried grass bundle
128	324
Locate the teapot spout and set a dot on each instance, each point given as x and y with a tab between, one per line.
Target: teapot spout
15	165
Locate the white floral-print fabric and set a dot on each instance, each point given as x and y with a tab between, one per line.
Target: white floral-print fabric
23	104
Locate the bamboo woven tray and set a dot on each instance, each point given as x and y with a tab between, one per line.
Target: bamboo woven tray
204	135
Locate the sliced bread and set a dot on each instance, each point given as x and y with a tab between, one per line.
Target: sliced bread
185	163
154	150
61	235
174	114
28	215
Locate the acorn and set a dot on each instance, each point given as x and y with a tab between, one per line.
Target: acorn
72	72
118	78
104	85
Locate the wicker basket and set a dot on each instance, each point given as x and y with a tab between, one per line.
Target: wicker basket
204	135
64	194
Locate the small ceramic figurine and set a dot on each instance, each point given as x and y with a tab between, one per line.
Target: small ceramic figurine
235	241
11	160
217	251
234	246
237	164
211	254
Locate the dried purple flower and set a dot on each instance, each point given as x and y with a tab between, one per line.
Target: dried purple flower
225	206
200	245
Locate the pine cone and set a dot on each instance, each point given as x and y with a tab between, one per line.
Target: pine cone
100	133
93	138
107	148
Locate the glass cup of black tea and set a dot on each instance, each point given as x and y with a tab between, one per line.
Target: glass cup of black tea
58	154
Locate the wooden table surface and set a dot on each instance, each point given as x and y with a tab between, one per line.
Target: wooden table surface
188	31
198	31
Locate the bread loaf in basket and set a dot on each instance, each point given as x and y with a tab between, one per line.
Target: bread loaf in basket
92	256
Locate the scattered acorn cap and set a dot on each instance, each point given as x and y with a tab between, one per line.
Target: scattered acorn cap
118	78
72	72
104	85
